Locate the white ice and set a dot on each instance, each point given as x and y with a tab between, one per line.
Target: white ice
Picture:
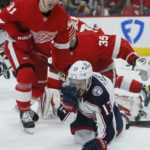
51	134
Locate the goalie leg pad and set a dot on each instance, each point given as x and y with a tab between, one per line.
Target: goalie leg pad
130	105
50	102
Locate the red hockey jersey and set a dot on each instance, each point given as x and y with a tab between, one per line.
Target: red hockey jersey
23	15
81	26
98	49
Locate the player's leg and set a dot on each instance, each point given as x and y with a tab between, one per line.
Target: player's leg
51	102
39	89
120	121
83	128
41	74
25	74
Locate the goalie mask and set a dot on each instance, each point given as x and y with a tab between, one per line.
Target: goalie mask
80	74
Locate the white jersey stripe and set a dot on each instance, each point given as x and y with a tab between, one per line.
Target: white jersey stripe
53	75
13	55
126	85
116	47
23	96
62	46
1	21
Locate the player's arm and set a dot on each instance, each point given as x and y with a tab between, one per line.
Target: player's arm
126	51
103	107
69	103
103	116
120	48
65	33
103	138
141	64
9	19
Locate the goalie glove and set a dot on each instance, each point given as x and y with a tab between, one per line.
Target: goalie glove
70	97
143	65
95	144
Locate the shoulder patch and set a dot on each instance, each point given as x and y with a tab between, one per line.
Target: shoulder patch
97	91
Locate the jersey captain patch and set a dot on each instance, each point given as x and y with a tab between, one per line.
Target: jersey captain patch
97	91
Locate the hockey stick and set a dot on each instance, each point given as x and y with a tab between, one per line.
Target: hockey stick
144	124
60	74
147	101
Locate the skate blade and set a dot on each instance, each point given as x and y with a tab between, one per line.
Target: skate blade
28	130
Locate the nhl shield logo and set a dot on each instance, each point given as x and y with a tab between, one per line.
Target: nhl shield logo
97	91
132	30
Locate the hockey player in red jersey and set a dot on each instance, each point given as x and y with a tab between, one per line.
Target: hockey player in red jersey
81	26
97	48
33	27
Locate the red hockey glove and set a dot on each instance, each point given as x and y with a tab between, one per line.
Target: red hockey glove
23	42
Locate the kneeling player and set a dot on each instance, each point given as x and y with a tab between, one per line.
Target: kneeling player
91	96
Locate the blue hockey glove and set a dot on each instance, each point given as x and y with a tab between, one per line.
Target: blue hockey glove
70	96
95	144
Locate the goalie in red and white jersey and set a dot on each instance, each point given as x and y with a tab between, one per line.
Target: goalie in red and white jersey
33	27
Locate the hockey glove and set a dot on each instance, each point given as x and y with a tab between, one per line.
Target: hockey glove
24	42
143	65
62	113
95	144
70	96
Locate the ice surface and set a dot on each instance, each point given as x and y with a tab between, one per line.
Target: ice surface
51	134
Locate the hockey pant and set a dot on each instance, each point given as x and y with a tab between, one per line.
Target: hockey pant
83	125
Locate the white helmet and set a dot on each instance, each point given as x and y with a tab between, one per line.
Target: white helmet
80	70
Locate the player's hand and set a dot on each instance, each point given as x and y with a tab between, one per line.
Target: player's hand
62	113
95	144
70	97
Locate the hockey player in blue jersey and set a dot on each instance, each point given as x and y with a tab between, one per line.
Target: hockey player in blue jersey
90	96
